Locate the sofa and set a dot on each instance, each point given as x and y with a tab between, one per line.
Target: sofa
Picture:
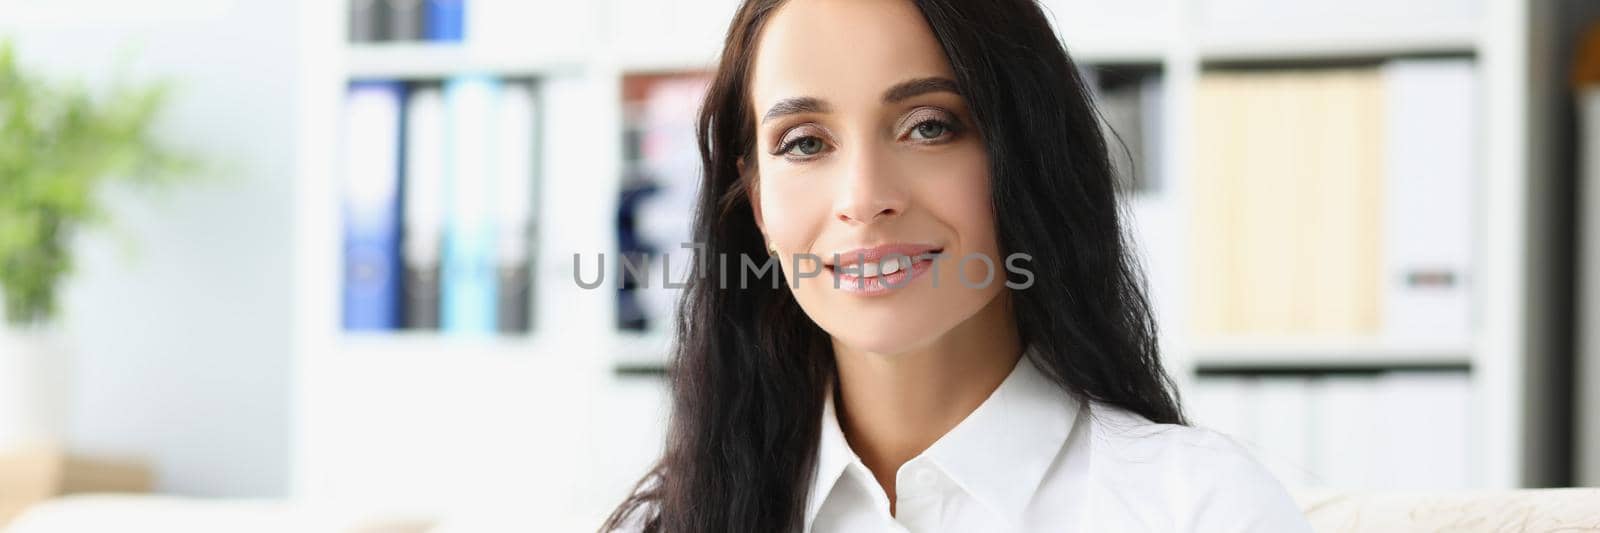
1528	510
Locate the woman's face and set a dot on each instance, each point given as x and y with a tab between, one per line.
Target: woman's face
864	149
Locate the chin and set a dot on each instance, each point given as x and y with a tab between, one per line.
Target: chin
878	342
888	327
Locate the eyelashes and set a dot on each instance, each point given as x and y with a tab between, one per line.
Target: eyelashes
809	144
925	126
928	124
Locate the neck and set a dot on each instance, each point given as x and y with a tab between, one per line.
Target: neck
894	406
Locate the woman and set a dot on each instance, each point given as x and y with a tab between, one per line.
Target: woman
867	144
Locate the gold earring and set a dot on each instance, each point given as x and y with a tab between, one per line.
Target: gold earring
772	249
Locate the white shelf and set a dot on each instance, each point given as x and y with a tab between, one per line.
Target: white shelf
1327	353
425	344
1116	51
1314	45
419	60
634	352
667	61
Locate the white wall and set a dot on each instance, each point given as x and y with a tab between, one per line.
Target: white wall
181	329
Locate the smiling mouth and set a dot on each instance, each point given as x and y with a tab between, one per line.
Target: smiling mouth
882	261
886	265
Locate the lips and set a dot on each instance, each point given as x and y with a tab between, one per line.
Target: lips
879	260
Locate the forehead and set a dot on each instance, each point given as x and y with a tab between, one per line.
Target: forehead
842	50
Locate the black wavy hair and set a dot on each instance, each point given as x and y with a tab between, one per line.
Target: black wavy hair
749	368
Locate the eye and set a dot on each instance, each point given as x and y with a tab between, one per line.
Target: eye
929	125
929	130
807	145
802	143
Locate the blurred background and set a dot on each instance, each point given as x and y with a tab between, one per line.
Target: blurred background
311	264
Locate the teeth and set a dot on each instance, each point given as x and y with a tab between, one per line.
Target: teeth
886	267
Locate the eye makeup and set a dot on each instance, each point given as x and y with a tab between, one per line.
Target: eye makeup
808	137
925	125
933	124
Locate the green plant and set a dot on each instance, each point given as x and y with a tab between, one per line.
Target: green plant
59	145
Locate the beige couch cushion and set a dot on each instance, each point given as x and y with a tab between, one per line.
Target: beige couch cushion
1455	511
172	514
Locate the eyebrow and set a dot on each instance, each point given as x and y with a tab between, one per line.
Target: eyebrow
795	106
919	86
899	92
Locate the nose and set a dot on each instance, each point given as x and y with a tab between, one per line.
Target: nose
869	191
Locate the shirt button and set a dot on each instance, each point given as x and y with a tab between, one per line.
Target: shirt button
927	477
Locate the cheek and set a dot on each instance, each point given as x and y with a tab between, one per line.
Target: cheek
957	193
792	211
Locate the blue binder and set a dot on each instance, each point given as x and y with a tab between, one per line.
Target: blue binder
469	288
371	207
445	20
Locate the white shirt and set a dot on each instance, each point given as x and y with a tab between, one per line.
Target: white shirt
1033	458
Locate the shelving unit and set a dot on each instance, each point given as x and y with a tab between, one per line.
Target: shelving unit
475	410
575	350
1503	355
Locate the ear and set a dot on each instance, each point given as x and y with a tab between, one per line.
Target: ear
752	191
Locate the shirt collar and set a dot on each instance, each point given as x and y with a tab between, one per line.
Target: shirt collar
998	454
833	456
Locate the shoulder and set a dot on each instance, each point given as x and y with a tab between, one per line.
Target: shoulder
1127	435
1207	480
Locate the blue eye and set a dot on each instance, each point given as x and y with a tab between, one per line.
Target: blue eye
930	129
802	143
805	145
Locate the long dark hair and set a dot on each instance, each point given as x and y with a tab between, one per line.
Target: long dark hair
749	368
